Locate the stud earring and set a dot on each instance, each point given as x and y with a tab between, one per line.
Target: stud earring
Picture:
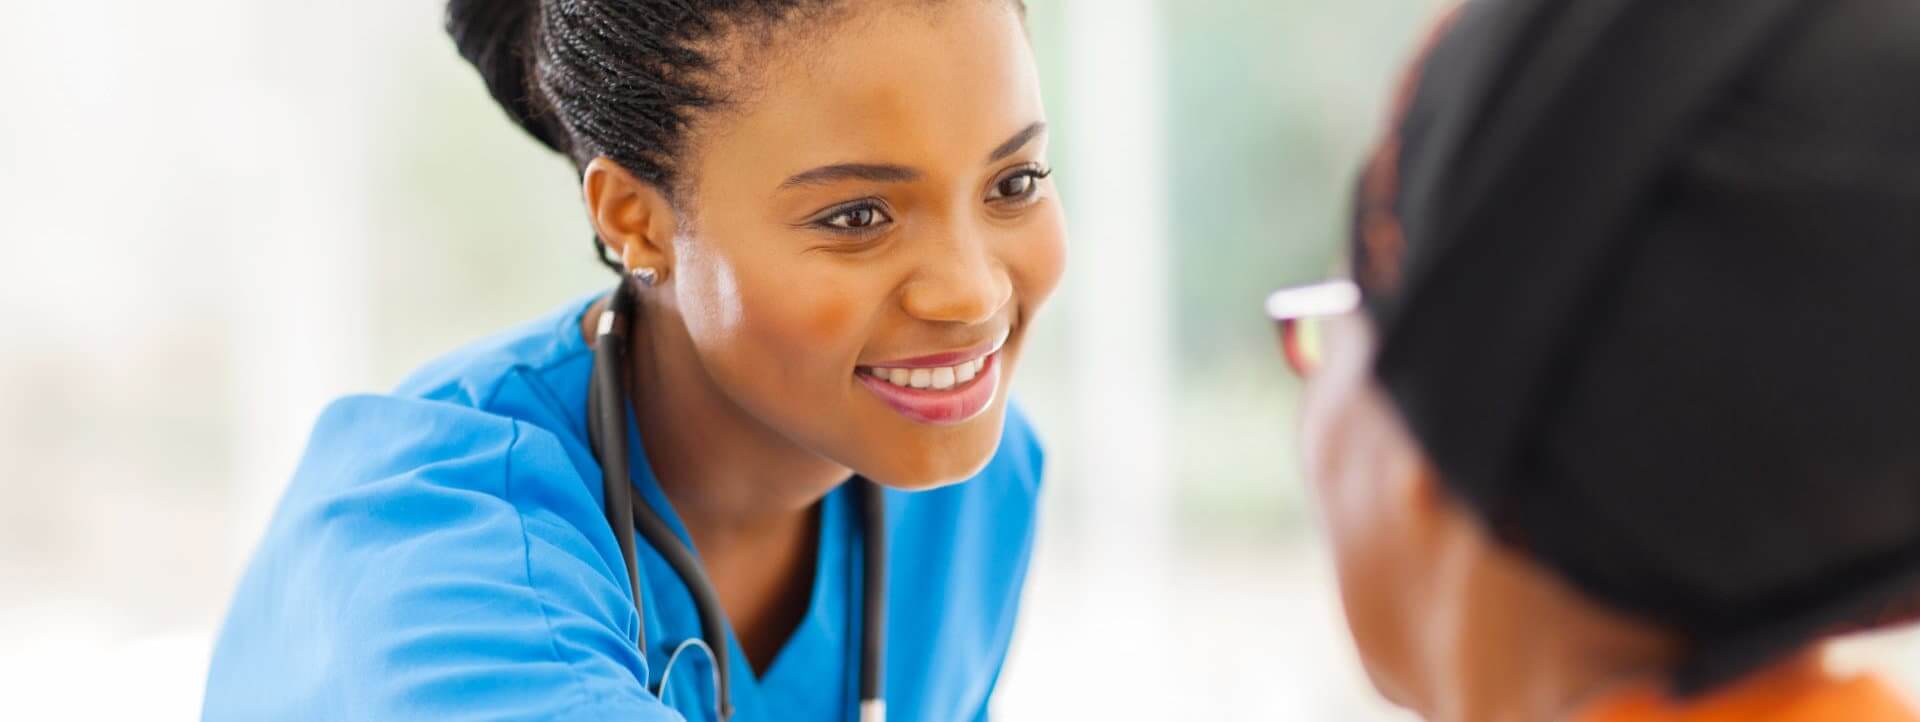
646	276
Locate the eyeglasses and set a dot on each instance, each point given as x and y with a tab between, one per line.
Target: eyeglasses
1299	312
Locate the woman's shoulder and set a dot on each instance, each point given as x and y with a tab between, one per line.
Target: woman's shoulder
442	535
546	351
516	398
500	418
386	472
369	438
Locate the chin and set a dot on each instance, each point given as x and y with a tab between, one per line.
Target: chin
942	456
927	477
1380	636
1394	677
1387	689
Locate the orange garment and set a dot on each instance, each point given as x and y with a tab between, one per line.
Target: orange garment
1799	693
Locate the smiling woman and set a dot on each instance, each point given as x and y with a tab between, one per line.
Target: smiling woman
833	221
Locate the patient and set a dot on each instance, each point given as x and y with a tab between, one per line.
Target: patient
1619	418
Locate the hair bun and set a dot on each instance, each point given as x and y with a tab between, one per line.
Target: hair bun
496	37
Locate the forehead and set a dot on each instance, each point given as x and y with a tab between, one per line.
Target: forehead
912	83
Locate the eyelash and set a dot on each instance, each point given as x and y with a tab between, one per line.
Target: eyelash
828	220
1036	172
825	221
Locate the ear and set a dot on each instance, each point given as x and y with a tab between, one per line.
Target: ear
633	217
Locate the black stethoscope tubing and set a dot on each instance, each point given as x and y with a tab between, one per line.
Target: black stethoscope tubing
607	430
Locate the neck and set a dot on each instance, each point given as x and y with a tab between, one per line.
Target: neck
1546	682
1527	648
748	496
732	480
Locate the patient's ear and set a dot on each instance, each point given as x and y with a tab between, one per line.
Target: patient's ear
634	218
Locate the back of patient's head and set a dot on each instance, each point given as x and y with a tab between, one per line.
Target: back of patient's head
1645	278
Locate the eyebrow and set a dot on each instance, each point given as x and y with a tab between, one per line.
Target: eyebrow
889	173
874	172
1018	141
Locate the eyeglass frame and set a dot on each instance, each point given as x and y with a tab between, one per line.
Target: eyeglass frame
1291	307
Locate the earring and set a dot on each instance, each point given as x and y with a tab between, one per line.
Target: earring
646	276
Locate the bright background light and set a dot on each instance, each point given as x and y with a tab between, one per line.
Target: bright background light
215	215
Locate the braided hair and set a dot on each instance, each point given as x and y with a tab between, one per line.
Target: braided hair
613	78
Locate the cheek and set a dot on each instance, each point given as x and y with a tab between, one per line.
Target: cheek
814	320
1366	538
708	295
1323	449
1037	257
827	319
749	311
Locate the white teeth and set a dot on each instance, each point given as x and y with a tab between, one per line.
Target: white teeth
937	378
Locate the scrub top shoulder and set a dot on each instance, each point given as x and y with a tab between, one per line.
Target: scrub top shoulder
442	553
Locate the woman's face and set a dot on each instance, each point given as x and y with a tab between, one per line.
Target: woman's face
1441	612
871	231
1383	514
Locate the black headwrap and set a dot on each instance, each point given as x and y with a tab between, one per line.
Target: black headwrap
1647	277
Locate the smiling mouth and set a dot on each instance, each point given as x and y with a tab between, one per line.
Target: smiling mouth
939	378
939	395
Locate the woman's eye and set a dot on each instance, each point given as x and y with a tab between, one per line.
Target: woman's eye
860	218
1019	186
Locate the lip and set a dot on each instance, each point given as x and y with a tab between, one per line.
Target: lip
940	407
949	358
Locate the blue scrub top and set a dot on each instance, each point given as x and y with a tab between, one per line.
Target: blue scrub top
442	554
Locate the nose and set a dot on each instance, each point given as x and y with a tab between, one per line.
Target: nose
960	281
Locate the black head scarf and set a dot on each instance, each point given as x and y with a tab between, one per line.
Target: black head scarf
1647	278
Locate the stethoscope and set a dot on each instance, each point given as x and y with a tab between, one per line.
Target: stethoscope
607	429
